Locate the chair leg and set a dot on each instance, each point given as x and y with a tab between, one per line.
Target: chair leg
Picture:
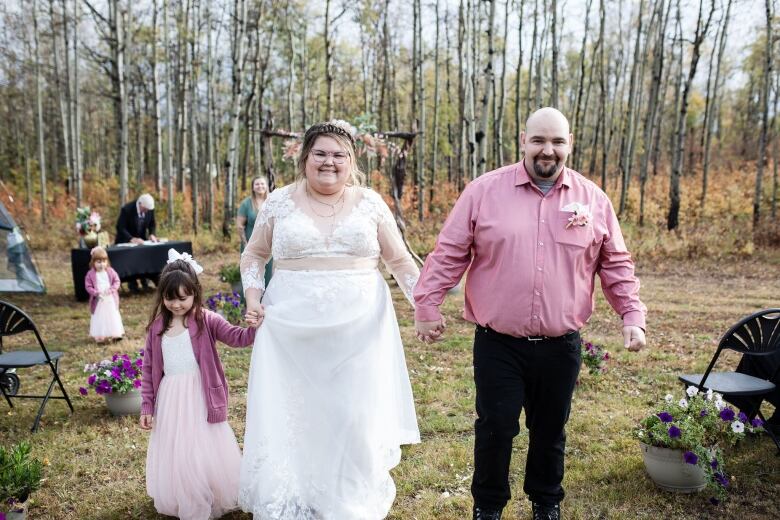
59	382
43	405
769	432
7	398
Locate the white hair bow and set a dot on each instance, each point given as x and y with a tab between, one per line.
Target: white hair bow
174	255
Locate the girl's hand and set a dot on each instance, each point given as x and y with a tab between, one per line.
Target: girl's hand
146	422
254	315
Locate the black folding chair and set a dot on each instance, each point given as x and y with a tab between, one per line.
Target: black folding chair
14	321
756	335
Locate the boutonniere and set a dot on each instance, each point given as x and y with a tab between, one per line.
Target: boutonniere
581	215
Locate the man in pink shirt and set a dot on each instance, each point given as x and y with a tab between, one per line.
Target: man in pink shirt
532	235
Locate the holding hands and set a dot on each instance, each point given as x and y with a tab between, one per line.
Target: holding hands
430	331
255	313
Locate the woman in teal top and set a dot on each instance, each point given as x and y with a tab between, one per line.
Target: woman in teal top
247	214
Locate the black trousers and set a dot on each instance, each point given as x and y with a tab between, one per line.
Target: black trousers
513	374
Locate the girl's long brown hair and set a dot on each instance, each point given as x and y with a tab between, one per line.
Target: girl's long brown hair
176	279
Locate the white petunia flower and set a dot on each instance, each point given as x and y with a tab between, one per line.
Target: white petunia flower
720	405
737	427
691	391
683	403
668	398
709	394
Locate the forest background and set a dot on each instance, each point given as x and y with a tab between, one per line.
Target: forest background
673	104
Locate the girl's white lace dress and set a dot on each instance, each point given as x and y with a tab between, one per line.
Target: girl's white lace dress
329	400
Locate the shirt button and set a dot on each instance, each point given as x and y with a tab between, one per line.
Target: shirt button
535	317
541	243
538	268
537	293
542	221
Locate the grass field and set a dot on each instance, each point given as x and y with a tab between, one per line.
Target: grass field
96	462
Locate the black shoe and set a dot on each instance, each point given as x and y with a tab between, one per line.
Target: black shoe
544	512
480	513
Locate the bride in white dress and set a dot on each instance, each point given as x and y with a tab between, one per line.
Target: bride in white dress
329	401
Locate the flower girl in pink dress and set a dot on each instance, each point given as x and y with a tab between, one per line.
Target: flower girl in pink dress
193	460
102	284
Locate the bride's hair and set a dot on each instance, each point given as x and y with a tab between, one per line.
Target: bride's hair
177	278
341	132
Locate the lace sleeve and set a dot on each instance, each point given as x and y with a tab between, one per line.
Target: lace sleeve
393	250
258	249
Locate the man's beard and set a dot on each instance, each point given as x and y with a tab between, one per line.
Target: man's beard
545	173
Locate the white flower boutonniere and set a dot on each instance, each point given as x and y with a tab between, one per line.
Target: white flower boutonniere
581	215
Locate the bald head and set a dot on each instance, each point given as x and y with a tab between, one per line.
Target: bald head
547	116
546	143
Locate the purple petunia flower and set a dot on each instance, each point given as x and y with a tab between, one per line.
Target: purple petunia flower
235	304
742	417
116	373
131	373
727	414
141	353
703	413
126	364
137	383
757	423
139	362
674	432
722	479
714	463
665	417
690	457
91	379
83	391
114	357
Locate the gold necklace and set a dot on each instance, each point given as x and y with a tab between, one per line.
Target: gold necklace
333	210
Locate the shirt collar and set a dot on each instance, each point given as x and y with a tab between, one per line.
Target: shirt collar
522	177
140	210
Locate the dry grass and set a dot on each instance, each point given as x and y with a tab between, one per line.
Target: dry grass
96	462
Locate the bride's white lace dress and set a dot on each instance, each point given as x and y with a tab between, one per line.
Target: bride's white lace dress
329	401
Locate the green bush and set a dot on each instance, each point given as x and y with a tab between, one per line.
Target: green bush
20	474
230	273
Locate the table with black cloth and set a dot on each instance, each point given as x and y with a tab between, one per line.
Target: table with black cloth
128	262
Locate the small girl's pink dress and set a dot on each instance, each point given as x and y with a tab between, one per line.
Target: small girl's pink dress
192	466
106	322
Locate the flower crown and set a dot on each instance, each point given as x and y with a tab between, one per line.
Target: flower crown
336	126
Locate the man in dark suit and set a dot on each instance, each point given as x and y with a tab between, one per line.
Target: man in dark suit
135	225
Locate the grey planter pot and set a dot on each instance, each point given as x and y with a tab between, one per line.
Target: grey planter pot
669	470
19	514
124	404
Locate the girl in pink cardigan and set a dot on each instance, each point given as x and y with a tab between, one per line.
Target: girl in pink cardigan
193	460
102	284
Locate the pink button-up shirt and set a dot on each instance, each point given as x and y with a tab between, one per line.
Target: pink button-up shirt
530	274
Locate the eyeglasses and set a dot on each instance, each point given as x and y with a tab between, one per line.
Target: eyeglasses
320	156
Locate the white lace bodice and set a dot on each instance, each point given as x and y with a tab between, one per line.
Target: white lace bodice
178	357
289	228
102	281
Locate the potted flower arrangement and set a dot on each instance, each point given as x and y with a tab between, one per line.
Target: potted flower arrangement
88	225
228	305
231	274
682	441
118	380
595	358
20	475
